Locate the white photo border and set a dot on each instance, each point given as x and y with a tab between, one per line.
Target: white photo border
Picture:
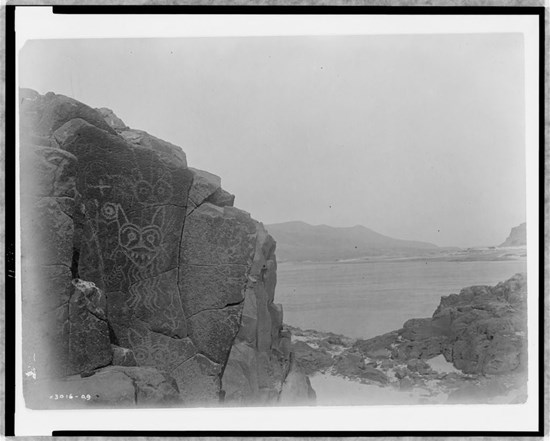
40	23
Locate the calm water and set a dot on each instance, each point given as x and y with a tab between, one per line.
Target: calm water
369	298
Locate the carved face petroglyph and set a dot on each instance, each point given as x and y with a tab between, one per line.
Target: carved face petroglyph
141	244
159	191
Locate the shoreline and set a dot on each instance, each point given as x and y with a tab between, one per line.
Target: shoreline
427	361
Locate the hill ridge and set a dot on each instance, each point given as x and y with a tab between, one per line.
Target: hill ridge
300	241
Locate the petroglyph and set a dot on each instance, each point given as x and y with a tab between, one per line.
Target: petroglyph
141	244
152	349
133	189
156	302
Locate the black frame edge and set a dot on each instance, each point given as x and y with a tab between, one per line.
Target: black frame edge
9	225
10	52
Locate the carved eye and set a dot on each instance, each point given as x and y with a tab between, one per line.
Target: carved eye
141	355
151	237
163	190
129	236
109	211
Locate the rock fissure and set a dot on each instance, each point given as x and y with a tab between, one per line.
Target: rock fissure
227	305
96	315
184	361
182	232
129	231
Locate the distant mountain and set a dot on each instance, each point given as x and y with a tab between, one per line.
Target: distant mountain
299	241
517	237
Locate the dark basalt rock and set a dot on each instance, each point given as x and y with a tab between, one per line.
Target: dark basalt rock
123	356
296	389
89	344
170	279
482	330
111	119
487	327
111	387
377	347
207	188
311	360
260	357
198	380
43	115
165	150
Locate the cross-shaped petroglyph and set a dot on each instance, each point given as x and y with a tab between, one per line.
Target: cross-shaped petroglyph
101	186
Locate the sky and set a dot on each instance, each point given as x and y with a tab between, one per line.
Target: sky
417	137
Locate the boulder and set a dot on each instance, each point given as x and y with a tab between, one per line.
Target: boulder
207	188
112	387
420	366
163	149
372	374
221	198
487	327
335	340
311	360
481	330
111	119
45	114
377	347
296	389
349	364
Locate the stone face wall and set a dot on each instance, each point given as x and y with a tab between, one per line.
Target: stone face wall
130	258
259	359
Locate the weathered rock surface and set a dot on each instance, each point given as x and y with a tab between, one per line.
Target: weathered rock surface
136	267
111	386
89	341
486	327
482	330
260	357
472	350
44	114
110	118
517	237
297	390
207	188
123	356
48	199
311	359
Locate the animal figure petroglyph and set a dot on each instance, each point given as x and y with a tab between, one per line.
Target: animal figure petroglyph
140	244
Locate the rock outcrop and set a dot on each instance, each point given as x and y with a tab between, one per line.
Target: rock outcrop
138	270
482	330
517	237
472	350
